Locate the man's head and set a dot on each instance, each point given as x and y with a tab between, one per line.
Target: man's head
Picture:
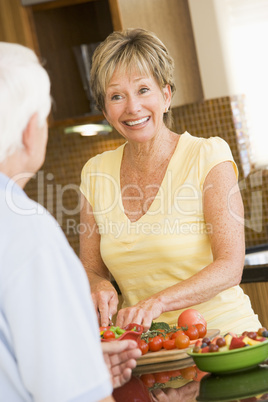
24	96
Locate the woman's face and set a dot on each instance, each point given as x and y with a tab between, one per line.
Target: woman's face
135	105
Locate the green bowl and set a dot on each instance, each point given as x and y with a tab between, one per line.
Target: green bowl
246	384
231	360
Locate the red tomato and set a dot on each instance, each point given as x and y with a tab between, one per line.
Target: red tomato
182	341
188	373
162	377
201	330
169	344
192	332
175	334
174	373
155	343
191	317
148	380
144	347
108	334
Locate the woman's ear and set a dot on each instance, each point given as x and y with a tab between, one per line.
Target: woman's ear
167	96
106	118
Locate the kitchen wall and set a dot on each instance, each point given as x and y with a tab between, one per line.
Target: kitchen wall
56	186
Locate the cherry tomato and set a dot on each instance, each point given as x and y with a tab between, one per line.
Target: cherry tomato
169	344
192	332
148	380
174	373
144	347
188	373
155	343
108	334
202	330
162	377
182	341
175	334
191	317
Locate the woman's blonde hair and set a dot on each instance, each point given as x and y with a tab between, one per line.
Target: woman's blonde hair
131	49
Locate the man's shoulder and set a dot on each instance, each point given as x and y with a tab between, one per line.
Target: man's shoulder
26	222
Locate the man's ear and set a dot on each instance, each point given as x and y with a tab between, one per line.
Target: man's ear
29	133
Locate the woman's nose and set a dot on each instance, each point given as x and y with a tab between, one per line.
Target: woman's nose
133	105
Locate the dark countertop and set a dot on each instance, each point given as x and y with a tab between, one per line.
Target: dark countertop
255	273
192	385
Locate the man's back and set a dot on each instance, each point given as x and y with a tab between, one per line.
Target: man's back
47	320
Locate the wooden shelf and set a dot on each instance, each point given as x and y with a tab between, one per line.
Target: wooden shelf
59	26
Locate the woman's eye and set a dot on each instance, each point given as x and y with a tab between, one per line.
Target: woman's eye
144	90
116	97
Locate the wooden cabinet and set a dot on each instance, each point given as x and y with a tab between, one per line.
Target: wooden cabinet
258	294
54	28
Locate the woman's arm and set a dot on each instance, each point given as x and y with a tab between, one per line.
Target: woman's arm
223	213
104	295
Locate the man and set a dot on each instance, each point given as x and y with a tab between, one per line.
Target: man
49	341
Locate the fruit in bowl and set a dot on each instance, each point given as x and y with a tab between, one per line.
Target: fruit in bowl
230	341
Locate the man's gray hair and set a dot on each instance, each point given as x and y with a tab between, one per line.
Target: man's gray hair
24	91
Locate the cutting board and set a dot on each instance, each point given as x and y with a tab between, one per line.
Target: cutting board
164	355
164	366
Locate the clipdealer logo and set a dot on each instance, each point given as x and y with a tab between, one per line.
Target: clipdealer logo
185	199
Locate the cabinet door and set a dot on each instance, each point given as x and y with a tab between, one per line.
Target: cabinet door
258	294
170	21
14	25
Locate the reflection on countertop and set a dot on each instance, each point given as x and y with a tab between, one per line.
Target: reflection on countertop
192	385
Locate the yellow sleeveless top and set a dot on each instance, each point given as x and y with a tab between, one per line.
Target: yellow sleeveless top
170	242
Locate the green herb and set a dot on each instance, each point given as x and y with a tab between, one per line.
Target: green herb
159	325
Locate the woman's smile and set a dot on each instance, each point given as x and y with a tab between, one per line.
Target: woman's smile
133	123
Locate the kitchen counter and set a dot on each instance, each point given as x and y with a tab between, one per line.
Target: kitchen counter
247	386
256	264
255	273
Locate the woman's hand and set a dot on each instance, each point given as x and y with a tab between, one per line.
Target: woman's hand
142	313
103	293
120	358
105	300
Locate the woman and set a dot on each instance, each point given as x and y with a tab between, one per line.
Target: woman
163	212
